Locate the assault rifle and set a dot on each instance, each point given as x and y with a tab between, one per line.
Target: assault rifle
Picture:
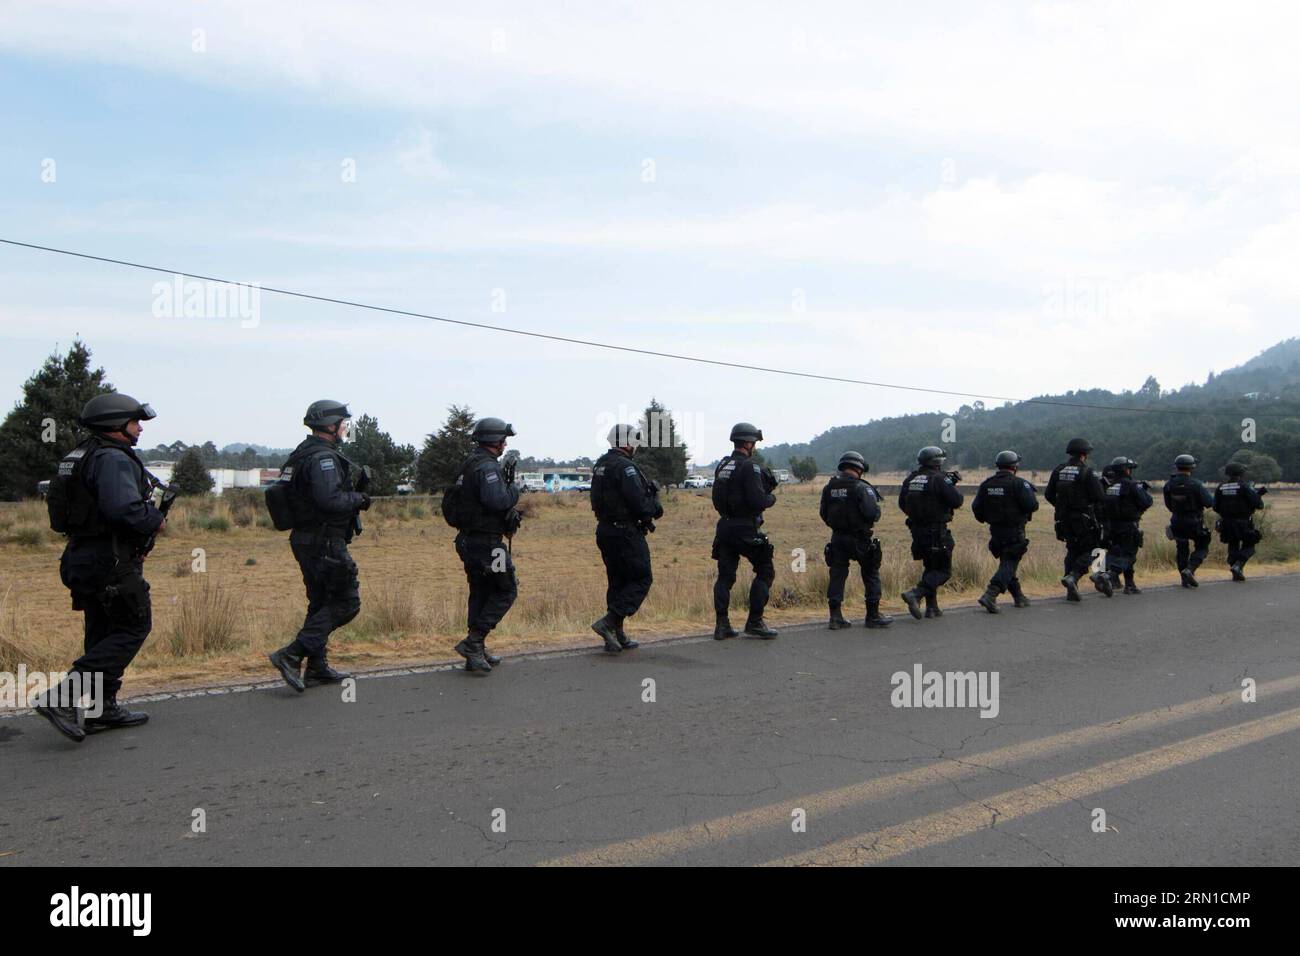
168	497
513	518
363	487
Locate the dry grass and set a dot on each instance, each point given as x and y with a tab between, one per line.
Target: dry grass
205	620
218	625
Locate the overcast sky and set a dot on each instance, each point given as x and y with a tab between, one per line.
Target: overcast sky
1008	199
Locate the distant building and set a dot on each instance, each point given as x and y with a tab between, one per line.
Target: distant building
222	478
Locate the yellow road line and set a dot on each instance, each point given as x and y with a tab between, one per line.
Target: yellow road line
885	844
656	846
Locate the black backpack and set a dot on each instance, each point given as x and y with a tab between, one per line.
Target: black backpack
279	496
455	504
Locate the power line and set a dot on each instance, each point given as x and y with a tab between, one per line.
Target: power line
610	346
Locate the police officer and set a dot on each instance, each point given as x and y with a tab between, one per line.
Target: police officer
928	498
1005	502
850	506
1126	500
742	491
1187	498
1236	500
626	504
488	522
101	499
326	493
1079	499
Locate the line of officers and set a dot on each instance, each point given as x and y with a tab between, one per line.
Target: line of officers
102	498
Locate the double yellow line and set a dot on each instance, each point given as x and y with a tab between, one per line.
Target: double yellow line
948	825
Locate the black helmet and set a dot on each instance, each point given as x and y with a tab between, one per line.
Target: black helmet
325	412
1186	461
1079	446
744	431
853	459
625	436
930	454
1006	459
1121	463
1234	469
112	410
489	431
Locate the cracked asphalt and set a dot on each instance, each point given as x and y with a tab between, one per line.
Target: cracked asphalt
565	753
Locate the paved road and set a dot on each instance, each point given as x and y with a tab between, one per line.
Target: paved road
1130	705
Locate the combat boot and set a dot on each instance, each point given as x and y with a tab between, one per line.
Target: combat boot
608	634
319	672
1189	578
488	656
838	621
757	627
1071	587
63	719
471	648
1017	595
1101	581
913	606
115	716
932	608
1236	570
288	661
723	629
624	641
875	618
989	600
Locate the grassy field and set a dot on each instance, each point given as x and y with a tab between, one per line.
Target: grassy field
217	625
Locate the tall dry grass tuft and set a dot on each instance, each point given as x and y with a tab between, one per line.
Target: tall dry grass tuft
21	644
388	610
206	620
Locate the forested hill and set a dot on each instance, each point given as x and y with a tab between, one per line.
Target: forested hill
1266	389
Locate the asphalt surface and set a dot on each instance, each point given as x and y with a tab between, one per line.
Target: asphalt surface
1130	705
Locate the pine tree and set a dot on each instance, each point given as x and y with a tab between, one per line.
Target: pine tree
805	469
388	461
42	428
662	457
190	476
445	451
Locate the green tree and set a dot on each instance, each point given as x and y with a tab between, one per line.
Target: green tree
805	469
663	456
444	452
388	460
42	428
190	476
1260	467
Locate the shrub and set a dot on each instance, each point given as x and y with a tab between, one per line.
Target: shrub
206	620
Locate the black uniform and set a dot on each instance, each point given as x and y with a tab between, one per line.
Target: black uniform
488	508
110	518
625	503
324	505
742	491
1005	502
1079	499
1187	498
1236	500
928	498
1126	500
850	507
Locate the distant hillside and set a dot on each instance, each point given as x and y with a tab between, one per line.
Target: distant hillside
1266	388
